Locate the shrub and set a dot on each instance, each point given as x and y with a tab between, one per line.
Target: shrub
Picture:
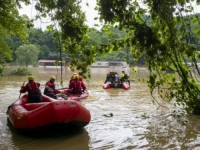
20	72
1	69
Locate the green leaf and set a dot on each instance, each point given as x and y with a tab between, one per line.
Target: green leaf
56	62
44	15
50	27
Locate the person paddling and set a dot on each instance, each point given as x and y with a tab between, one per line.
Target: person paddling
34	93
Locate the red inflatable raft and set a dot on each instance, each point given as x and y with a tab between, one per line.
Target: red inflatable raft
24	115
124	85
67	96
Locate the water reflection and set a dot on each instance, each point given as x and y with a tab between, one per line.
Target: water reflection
51	138
166	132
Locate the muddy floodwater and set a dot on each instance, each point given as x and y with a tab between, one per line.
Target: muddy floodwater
120	119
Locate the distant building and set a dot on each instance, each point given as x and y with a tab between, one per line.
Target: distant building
108	64
49	63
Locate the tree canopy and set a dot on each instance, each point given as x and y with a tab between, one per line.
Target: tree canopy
167	40
27	54
166	33
11	24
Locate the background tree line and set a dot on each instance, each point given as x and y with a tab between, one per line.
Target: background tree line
41	45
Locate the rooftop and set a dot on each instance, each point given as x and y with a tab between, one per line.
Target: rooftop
44	60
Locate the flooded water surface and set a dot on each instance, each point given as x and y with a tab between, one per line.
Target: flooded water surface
120	119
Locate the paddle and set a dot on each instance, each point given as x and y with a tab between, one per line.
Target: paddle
22	86
100	82
89	95
132	80
63	88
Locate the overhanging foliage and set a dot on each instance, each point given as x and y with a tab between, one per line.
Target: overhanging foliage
166	37
167	40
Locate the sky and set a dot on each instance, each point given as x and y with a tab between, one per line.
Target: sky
89	10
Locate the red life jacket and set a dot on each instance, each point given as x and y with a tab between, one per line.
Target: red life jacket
77	86
49	88
33	88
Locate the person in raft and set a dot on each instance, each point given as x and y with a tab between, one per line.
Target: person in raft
34	93
124	77
110	77
76	86
49	89
116	77
73	77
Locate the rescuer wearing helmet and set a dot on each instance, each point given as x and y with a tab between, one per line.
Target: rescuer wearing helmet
110	77
33	90
76	86
73	77
124	77
49	89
